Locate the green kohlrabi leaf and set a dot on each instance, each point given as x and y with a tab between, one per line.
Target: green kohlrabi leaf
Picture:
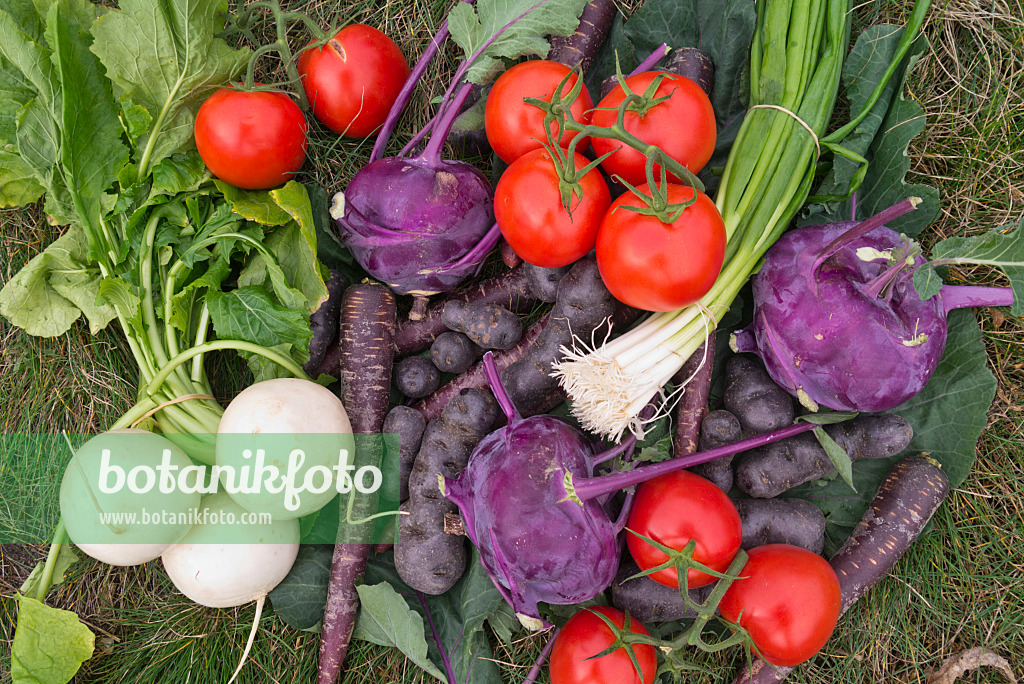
1002	248
526	24
164	56
301	596
49	294
948	416
49	645
455	619
386	619
249	314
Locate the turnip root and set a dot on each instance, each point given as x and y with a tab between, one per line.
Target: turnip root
278	416
83	503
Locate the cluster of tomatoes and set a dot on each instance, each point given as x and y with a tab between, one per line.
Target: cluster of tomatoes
257	139
645	261
787	598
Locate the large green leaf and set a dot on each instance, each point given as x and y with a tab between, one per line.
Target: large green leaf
948	416
524	27
386	619
49	294
300	598
49	645
249	314
163	54
455	618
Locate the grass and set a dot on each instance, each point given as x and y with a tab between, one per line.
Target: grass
960	586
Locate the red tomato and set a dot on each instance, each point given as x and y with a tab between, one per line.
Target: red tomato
672	510
528	209
658	266
353	80
789	599
586	635
252	140
513	127
683	126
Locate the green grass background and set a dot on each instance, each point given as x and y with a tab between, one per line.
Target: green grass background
959	587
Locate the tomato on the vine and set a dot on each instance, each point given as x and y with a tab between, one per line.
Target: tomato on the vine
683	126
352	81
657	266
586	635
528	209
514	127
788	600
676	508
251	139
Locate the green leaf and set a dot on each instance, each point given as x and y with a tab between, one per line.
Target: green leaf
948	417
826	418
386	619
66	557
53	289
263	368
91	151
178	173
18	184
655	452
457	616
1002	248
49	645
249	314
255	205
295	277
928	283
164	56
504	623
301	596
330	250
840	459
528	22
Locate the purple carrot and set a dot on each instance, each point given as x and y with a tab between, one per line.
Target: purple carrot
510	289
693	405
906	500
367	354
580	48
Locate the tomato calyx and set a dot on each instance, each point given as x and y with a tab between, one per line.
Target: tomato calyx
656	204
624	638
681	560
640	103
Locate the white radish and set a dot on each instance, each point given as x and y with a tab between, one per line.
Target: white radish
103	500
222	564
280	416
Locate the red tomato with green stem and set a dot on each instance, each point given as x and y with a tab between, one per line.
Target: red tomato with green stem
514	127
788	600
529	210
657	266
352	81
251	139
586	635
683	126
673	510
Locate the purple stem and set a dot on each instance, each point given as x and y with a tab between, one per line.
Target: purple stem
592	487
534	672
874	288
863	228
969	296
437	639
443	126
609	454
498	389
477	254
659	54
406	92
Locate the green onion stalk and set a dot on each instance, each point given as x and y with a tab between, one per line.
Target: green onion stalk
796	61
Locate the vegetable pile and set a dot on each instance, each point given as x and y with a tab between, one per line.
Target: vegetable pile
576	448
